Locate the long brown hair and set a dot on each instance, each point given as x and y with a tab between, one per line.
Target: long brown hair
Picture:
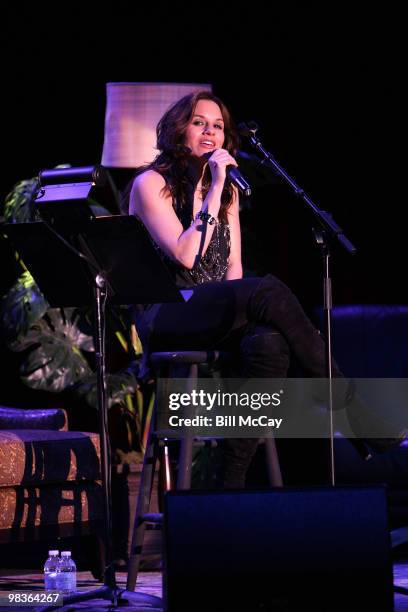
174	158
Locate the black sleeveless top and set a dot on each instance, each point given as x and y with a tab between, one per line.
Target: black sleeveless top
213	265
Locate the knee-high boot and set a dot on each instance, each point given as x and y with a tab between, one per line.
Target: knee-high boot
264	354
272	303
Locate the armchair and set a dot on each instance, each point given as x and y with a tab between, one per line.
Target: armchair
49	478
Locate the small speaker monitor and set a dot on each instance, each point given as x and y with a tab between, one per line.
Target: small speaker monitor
324	549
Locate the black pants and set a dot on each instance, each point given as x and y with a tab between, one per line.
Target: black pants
261	321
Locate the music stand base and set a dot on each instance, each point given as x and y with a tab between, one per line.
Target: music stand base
119	597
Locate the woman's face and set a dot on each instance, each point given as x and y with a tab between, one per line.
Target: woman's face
205	132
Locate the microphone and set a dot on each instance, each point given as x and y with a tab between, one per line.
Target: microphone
239	181
235	177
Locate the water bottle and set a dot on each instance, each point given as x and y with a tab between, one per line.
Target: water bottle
50	570
66	573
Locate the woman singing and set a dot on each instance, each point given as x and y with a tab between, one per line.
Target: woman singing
191	211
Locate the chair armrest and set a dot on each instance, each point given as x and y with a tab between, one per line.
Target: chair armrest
39	418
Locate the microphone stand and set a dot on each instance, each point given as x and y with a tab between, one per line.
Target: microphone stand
328	229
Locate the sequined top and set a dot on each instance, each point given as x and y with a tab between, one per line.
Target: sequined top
211	267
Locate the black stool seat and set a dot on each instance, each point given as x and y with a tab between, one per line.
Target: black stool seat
165	437
159	439
193	357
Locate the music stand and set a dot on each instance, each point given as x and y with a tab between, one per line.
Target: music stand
101	258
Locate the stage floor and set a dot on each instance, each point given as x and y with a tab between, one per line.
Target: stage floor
148	582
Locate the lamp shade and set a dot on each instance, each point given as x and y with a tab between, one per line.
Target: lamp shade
133	111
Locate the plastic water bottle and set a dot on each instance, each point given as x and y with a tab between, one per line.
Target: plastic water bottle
66	576
50	570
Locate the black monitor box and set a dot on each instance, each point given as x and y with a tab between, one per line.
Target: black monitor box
323	549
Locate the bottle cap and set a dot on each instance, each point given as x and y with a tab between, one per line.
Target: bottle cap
66	553
52	553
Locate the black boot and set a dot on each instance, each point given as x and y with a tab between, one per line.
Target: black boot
362	420
272	303
238	454
382	445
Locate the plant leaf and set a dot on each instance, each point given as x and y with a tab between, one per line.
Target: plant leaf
69	328
18	206
20	308
119	385
56	361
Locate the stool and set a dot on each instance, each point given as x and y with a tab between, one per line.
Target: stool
164	364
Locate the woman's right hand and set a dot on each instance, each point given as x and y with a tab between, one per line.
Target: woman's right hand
218	163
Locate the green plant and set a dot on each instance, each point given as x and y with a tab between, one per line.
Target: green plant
19	203
56	344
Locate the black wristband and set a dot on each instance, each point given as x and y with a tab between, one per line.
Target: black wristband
206	217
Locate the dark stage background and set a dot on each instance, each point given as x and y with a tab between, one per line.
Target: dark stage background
323	83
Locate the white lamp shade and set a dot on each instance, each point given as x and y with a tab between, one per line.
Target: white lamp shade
133	111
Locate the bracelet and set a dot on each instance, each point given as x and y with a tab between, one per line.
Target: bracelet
206	217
